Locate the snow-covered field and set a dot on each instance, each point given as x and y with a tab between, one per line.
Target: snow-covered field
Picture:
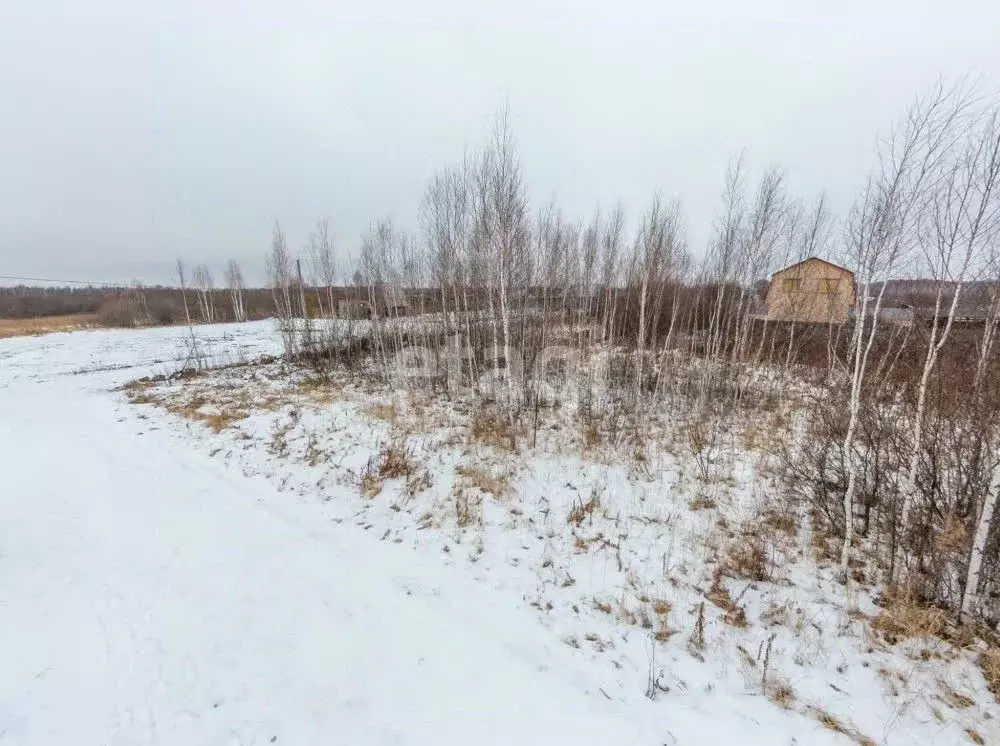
202	567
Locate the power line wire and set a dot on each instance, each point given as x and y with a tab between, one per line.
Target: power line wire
90	283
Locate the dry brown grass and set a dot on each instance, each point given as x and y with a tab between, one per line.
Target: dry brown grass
319	390
582	510
904	618
385	412
975	737
602	606
989	664
781	693
662	607
750	558
591	434
830	722
223	416
370	485
735	615
48	324
494	428
953	699
702	502
417	483
393	461
494	484
468	506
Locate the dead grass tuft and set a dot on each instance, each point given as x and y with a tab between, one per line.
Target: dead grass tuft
954	699
989	664
602	606
662	607
750	558
493	484
319	389
830	722
904	618
223	416
975	736
417	483
583	510
393	461
468	506
735	615
781	693
494	428
385	412
702	502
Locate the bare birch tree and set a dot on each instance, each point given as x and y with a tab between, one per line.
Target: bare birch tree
205	285
880	231
324	268
237	288
279	272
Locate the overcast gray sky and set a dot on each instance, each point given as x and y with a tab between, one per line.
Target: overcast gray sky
134	132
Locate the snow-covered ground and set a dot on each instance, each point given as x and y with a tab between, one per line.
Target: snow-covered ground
162	582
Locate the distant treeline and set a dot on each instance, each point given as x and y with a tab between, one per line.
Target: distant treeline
162	305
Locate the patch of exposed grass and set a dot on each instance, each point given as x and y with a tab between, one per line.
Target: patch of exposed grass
749	558
903	618
319	390
989	664
48	324
385	412
494	428
218	420
702	502
493	484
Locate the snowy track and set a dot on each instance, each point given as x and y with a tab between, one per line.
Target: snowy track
150	595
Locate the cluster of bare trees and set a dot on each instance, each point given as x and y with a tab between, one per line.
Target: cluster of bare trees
209	304
523	307
909	443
